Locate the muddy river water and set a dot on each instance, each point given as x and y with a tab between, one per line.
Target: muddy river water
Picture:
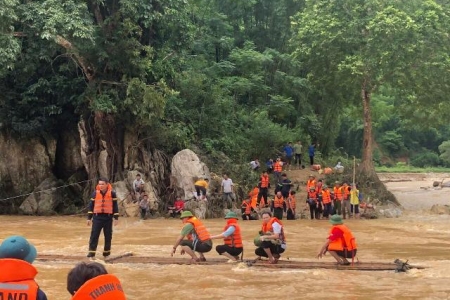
417	235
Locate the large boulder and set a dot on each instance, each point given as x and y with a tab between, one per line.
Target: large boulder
186	167
440	209
391	212
44	199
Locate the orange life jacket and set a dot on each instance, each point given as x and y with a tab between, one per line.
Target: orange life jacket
268	228
278	202
103	204
265	181
338	194
254	196
102	287
200	230
310	183
277	167
247	206
346	191
17	279
312	195
291	204
326	196
234	240
348	241
319	187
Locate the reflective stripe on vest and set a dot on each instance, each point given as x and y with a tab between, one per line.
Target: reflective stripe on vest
103	204
277	167
264	181
348	242
17	279
312	195
103	287
278	202
310	183
338	193
234	240
200	230
326	196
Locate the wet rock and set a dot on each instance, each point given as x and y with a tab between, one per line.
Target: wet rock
391	212
440	209
436	183
446	184
186	168
44	199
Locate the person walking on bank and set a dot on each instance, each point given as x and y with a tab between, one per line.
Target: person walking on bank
232	238
102	213
340	242
227	188
198	238
264	185
16	272
311	152
298	148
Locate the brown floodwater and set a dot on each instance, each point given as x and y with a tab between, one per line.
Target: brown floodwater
417	236
420	237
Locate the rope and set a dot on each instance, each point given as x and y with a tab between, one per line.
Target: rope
50	189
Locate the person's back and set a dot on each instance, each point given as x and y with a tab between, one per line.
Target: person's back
17	274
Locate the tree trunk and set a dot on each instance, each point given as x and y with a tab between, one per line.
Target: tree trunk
367	177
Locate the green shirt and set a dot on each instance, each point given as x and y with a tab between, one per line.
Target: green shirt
189	228
297	148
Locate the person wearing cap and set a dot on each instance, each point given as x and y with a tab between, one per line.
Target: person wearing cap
326	201
103	211
311	182
272	241
341	244
232	238
200	187
16	272
92	281
198	238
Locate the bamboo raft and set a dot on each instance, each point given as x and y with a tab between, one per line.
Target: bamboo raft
129	258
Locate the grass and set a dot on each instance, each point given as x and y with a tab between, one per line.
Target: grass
401	168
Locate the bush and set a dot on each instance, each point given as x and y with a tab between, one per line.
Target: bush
425	159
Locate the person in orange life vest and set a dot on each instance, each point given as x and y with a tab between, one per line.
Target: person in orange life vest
313	202
278	206
338	197
103	211
272	241
16	272
264	185
290	206
341	243
198	238
277	169
311	182
326	201
92	281
346	201
247	210
253	196
200	187
232	237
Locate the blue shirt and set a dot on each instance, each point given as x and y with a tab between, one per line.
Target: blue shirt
311	150
229	231
288	150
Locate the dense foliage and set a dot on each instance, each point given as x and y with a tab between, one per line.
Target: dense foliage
238	77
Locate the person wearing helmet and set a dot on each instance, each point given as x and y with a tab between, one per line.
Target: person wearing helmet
198	238
232	238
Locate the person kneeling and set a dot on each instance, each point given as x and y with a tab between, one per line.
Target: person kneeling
272	241
340	243
231	237
198	238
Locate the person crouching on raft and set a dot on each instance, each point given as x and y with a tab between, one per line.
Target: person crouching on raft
198	238
271	242
231	237
340	243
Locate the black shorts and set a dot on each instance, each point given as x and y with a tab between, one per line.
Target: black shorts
230	250
199	247
347	254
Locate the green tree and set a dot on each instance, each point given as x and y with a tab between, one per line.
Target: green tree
354	47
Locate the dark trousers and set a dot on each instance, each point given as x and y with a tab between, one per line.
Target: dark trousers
278	213
327	210
314	211
275	249
201	190
262	194
311	160
298	159
290	214
99	222
143	213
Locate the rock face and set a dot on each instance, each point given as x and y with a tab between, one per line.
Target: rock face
44	199
391	212
186	167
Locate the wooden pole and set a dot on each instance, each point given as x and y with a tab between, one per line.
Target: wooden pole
354	170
